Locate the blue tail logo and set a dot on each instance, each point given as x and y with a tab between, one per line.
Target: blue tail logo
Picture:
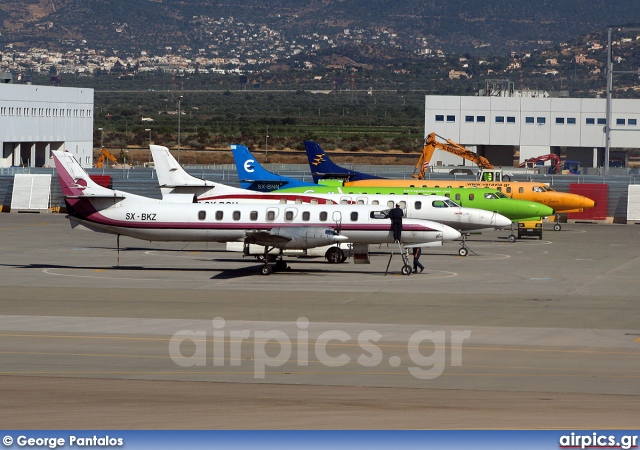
323	168
255	177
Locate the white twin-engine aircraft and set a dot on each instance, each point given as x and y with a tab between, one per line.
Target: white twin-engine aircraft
282	226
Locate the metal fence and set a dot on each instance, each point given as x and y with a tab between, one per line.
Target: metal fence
143	181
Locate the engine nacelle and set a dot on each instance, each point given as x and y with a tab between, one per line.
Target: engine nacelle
307	237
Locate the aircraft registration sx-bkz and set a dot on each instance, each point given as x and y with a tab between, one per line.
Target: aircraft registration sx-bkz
562	202
271	225
253	176
175	181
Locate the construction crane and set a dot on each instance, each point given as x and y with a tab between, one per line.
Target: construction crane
570	167
431	144
103	157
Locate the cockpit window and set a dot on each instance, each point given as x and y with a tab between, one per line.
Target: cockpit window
452	204
379	214
538	189
500	195
439	204
490	195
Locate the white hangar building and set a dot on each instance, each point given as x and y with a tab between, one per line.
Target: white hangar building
496	126
37	119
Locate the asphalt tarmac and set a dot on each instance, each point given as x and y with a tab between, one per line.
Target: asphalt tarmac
532	334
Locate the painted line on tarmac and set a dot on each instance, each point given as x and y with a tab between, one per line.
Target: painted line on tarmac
482	257
201	256
49	272
428	273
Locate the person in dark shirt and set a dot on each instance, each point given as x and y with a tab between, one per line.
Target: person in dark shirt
396	222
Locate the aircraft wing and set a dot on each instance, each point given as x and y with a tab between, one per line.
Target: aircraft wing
266	238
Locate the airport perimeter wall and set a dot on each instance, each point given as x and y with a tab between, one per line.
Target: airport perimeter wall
142	181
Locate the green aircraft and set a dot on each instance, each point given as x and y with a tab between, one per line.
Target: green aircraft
481	198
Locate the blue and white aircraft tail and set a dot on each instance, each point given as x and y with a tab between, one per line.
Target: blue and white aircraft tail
322	167
255	177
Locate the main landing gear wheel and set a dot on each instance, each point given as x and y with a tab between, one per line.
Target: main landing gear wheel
266	270
463	251
512	238
406	270
334	255
557	227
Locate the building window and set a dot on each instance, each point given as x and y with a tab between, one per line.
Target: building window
571	120
451	118
633	122
602	121
439	118
511	119
590	121
480	119
468	118
541	120
528	120
620	121
559	120
499	119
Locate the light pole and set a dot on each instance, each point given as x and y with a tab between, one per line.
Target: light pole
101	130
149	130
179	114
266	146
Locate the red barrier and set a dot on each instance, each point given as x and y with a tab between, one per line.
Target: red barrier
596	192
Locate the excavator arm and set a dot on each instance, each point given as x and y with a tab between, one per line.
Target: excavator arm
555	161
103	157
431	144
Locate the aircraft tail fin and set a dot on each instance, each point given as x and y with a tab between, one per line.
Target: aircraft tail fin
74	180
255	177
322	166
169	171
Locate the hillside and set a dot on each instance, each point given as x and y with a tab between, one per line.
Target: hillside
457	26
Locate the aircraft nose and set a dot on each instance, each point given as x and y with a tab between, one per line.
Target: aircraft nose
449	234
501	221
534	209
588	203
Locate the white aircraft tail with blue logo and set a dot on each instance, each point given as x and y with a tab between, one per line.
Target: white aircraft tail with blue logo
255	177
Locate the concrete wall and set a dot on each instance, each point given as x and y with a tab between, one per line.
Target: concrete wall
37	119
534	125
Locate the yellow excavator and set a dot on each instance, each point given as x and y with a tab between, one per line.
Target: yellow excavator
103	157
431	144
